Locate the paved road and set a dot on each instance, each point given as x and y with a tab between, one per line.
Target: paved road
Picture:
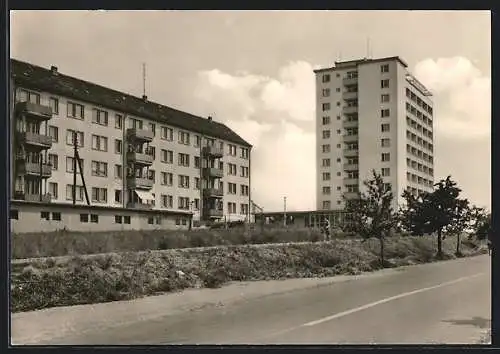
447	302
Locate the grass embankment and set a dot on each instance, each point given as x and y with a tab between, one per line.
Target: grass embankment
90	279
56	244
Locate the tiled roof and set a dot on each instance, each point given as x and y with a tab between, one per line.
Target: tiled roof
38	78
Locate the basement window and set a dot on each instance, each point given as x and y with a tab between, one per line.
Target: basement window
151	220
94	218
126	219
84	217
56	216
118	219
45	215
14	214
177	221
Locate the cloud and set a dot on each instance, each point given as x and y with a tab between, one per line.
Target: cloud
462	96
276	115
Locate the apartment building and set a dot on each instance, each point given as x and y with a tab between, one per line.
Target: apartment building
371	114
136	156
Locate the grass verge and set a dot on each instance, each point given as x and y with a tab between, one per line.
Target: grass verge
49	282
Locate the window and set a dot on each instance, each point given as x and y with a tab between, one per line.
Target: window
245	153
384	68
151	220
384	97
244	209
183	203
99	117
197	141
326	163
167	201
196	183
167	156
183	181
326	176
384	83
231	188
326	134
326	78
84	217
118	146
326	148
135	123
385	128
53	190
386	172
326	106
231	208
183	138
118	172
167	178
54	161
79	137
94	218
244	190
197	162
152	128
326	92
45	215
197	204
29	96
99	143
326	190
385	142
326	120
338	88
54	133
183	160
99	169
99	195
118	196
118	219
244	171
54	105
232	149
75	110
69	164
384	113
118	121
79	192
232	169
152	175
167	133
126	219
326	205
386	157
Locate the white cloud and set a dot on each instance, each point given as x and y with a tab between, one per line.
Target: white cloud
263	111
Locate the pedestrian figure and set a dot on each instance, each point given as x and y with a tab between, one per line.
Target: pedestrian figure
490	246
326	228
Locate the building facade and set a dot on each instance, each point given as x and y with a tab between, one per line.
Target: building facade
135	154
371	114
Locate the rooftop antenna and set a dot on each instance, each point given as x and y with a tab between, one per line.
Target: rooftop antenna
143	79
368	48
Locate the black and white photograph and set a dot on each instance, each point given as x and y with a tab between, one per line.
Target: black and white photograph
182	177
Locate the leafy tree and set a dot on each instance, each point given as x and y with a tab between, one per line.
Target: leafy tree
461	221
435	212
371	213
481	223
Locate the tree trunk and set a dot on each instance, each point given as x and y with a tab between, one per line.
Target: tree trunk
382	261
457	253
440	244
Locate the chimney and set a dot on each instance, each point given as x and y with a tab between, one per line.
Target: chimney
53	68
209	118
144	98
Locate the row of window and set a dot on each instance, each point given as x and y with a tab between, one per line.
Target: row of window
413	124
100	117
417	166
384	68
410	177
420	141
419	153
414	97
326	134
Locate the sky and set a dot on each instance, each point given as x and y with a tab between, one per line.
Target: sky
253	70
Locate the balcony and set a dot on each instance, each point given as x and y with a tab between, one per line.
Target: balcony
348	180
349	123
349	81
351	152
349	109
36	140
212	151
350	138
347	95
351	195
31	197
140	135
213	193
139	183
34	111
139	206
214	213
140	159
34	169
351	167
213	172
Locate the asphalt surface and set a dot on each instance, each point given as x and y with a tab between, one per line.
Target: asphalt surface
439	303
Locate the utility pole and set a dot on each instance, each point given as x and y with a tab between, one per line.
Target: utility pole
284	211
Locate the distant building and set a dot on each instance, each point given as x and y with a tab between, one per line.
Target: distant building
371	114
301	219
145	165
